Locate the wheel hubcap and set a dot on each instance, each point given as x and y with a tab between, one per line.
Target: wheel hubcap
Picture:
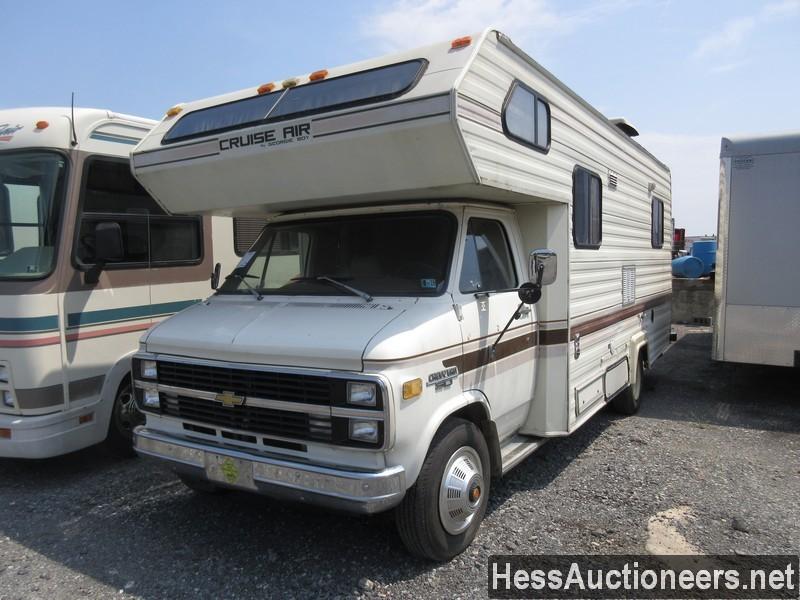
126	413
461	490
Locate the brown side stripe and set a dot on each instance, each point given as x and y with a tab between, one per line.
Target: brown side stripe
483	356
604	321
549	337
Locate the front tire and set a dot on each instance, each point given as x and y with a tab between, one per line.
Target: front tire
125	416
628	401
441	513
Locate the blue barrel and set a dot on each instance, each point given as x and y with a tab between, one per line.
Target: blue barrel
689	267
706	250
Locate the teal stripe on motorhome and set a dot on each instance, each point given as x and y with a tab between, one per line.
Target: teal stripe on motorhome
119	139
127	313
28	324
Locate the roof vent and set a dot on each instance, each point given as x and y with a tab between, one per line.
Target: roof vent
625	127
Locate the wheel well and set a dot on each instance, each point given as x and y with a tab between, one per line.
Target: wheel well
127	378
643	354
477	414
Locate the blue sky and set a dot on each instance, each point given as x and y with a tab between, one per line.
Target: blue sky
684	72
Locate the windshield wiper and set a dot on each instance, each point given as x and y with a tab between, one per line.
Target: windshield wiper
258	295
345	287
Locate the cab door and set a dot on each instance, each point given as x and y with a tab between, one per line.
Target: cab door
488	271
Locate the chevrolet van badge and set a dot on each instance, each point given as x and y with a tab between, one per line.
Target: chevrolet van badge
229	399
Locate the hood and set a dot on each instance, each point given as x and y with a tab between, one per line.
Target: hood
328	333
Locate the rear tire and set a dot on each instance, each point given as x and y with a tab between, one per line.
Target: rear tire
125	416
441	513
628	401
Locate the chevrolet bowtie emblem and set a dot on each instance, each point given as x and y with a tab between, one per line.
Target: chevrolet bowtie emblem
229	399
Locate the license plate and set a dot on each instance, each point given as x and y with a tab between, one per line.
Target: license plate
229	470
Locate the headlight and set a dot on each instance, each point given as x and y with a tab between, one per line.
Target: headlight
8	399
149	370
5	375
362	393
363	430
150	398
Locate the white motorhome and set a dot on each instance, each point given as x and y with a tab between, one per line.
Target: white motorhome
757	285
88	261
381	345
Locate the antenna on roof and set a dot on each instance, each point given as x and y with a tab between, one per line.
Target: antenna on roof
74	141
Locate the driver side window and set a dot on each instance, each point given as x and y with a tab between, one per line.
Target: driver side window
488	264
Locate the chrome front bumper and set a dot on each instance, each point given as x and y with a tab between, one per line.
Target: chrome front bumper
352	491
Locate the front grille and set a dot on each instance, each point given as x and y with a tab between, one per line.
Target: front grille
248	418
289	387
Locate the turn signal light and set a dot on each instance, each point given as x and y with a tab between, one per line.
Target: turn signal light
42	124
266	88
317	75
461	42
412	389
86	418
174	111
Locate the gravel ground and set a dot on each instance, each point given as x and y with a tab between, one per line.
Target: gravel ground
717	446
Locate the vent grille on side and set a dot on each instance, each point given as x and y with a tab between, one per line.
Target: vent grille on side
628	285
613	180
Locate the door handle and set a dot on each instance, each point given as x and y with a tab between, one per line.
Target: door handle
523	312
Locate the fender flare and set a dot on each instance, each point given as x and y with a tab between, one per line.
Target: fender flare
638	342
413	463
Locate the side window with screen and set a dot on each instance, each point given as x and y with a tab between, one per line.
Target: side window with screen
526	117
150	236
245	233
587	209
488	264
657	223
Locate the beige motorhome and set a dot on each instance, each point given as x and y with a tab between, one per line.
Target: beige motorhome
88	261
463	259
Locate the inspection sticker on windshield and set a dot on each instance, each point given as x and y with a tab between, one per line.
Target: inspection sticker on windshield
245	259
427	284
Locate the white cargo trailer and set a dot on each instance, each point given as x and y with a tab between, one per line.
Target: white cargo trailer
381	344
757	289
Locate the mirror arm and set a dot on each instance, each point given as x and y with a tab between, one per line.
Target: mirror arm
92	275
514	317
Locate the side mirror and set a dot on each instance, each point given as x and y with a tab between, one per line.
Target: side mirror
542	266
215	276
542	270
107	248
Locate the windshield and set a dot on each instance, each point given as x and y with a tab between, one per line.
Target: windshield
404	254
31	185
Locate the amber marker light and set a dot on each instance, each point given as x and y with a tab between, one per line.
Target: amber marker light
265	88
174	111
461	42
42	124
412	389
289	83
317	75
